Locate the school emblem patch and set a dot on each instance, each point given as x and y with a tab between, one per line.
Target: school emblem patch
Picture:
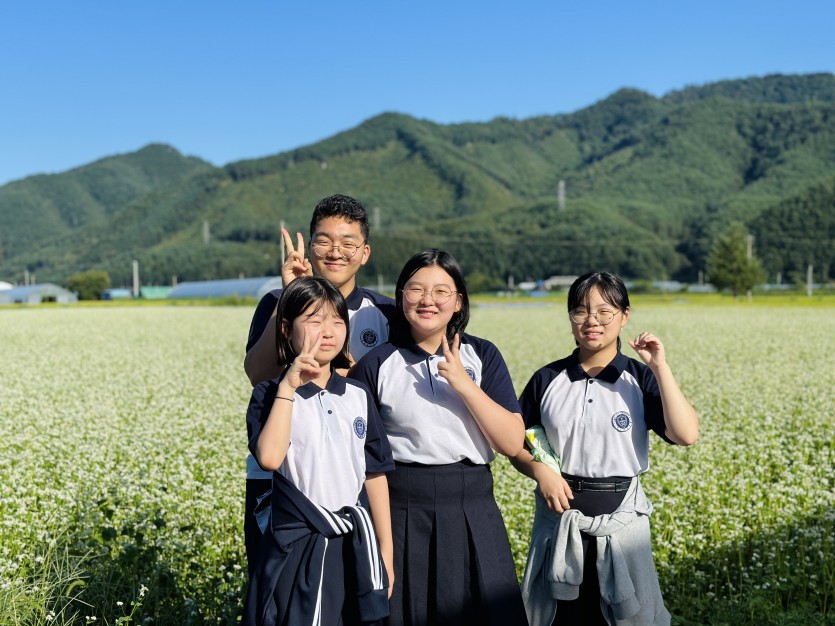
622	421
470	372
360	427
369	337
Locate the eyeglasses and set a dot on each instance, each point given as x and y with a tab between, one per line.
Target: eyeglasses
604	317
322	247
440	293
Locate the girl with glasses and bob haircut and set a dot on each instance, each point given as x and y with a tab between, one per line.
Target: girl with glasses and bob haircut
590	559
446	401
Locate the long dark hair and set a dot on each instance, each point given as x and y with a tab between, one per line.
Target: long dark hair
446	262
295	299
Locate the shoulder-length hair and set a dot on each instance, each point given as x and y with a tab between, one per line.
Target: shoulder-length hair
446	262
295	299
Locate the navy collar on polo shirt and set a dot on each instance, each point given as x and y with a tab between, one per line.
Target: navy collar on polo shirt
354	299
412	353
336	386
609	374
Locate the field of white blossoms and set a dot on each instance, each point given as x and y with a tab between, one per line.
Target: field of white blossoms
122	446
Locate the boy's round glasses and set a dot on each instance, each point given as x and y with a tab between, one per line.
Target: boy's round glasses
440	293
604	317
322	247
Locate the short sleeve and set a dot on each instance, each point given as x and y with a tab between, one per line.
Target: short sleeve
260	404
495	377
378	456
531	400
261	317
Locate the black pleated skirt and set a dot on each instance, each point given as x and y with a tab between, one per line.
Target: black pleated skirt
452	560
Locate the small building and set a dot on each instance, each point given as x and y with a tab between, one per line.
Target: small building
155	293
559	282
36	294
4	285
232	288
117	293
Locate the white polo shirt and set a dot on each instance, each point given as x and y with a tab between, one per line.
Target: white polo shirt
336	438
425	419
598	425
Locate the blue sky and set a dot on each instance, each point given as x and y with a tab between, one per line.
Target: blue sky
226	81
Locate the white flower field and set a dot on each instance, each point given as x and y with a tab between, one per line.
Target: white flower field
123	439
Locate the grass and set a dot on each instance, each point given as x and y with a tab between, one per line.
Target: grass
122	438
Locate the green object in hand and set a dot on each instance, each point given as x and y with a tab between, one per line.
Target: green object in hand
541	449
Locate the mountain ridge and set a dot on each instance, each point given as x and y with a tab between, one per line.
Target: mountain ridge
649	183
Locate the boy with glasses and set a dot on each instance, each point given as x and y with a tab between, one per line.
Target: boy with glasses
339	247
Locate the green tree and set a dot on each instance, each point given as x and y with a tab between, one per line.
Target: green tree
731	264
89	285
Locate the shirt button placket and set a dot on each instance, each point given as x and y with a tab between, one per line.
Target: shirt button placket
329	416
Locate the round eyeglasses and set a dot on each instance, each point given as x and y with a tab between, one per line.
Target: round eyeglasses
440	293
604	317
322	247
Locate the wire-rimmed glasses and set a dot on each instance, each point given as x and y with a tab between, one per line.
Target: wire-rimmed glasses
322	247
440	294
604	317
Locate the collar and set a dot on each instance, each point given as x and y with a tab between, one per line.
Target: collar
336	386
354	299
609	374
413	353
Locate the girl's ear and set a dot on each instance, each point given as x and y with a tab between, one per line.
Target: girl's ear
624	318
457	302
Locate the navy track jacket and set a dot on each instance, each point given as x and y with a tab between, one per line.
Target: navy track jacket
298	524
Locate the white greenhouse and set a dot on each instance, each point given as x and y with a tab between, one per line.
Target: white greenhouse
36	294
232	288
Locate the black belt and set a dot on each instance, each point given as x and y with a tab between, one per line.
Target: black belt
590	484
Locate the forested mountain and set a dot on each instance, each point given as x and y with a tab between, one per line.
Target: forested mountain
648	184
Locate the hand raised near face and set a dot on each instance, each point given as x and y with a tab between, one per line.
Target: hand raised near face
295	263
304	367
649	348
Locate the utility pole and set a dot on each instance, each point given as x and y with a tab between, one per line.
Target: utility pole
561	195
750	240
206	234
135	278
809	280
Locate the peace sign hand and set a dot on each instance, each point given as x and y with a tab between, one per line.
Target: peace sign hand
295	265
452	368
304	367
